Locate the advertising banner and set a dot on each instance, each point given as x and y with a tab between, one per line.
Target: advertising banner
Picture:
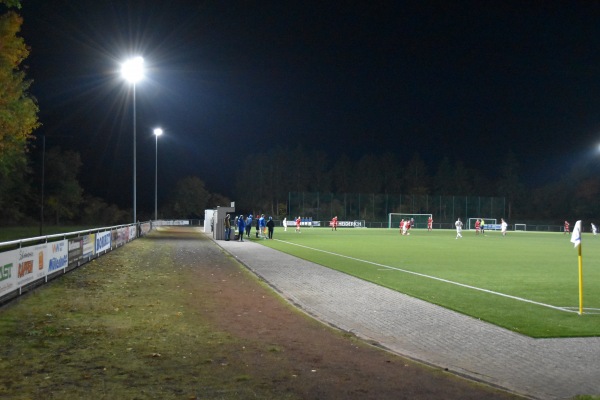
102	241
132	229
75	251
31	263
145	228
58	255
8	271
122	236
89	244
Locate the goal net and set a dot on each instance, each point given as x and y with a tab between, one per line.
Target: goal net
520	227
487	221
420	219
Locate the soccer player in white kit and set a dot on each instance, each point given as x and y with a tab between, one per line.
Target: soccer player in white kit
503	226
459	226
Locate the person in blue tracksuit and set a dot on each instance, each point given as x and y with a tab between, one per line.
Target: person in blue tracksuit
241	226
248	225
263	226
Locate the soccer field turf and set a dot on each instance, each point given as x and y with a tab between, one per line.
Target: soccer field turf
527	281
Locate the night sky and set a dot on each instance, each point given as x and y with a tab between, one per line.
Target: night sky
467	80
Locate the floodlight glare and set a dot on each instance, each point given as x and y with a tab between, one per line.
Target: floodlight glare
133	69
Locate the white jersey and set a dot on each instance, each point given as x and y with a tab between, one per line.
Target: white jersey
458	225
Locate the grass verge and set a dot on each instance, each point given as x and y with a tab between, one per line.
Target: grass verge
118	327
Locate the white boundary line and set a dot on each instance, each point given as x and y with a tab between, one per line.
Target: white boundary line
565	309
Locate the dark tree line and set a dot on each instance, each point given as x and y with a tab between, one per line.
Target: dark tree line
266	184
61	200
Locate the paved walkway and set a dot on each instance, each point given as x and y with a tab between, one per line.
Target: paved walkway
538	368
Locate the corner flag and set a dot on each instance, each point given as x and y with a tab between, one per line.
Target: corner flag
576	240
576	235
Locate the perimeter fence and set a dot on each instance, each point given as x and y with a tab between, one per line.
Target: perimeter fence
374	208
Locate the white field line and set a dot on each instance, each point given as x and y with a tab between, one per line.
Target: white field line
565	309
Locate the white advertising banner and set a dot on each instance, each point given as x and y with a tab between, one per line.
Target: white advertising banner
8	271
132	229
102	241
122	236
31	263
58	255
145	228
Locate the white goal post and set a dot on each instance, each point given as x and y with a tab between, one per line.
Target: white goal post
420	219
520	227
488	221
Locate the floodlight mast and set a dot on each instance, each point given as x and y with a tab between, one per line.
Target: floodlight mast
157	133
133	72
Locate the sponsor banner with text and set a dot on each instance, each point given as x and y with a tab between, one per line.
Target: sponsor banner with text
58	255
102	241
8	271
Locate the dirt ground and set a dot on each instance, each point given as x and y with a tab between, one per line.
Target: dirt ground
293	355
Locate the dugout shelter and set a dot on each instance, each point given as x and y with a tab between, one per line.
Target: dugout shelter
219	221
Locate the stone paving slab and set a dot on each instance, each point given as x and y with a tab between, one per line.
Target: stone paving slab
537	368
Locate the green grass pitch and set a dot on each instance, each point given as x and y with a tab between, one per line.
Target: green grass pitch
527	282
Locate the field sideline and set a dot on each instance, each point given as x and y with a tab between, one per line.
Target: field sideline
526	281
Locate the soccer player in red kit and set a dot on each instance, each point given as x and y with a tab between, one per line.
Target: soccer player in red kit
429	224
566	227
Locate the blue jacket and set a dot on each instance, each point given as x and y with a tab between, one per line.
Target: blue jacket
241	224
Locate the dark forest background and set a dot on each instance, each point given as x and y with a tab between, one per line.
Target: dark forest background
265	179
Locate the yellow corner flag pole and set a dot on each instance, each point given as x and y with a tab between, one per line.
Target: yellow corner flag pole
576	240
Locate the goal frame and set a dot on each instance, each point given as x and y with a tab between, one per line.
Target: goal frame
471	222
518	225
404	215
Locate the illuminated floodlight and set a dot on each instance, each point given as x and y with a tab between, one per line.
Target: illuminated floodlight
133	69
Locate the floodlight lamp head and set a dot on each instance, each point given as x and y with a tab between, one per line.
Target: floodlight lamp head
158	131
133	69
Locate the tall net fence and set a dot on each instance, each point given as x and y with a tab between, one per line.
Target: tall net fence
374	208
